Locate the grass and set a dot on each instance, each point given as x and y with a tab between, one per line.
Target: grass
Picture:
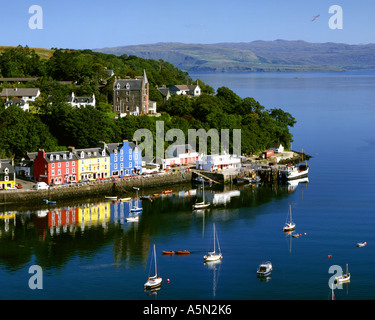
42	52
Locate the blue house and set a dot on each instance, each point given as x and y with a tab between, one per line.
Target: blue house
125	158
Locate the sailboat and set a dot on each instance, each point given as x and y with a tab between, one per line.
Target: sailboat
213	255
154	281
136	208
289	225
344	277
203	204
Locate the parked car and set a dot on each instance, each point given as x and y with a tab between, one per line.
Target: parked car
19	186
40	186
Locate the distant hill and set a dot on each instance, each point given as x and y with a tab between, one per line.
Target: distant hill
257	56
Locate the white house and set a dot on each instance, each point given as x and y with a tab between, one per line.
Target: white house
278	148
24	105
79	102
26	94
182	89
216	162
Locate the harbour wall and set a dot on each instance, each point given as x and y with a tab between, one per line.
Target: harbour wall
96	189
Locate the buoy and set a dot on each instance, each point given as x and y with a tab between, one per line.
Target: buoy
168	280
305	233
329	256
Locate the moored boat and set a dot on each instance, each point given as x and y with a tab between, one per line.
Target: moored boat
264	269
170	252
361	244
344	277
167	192
182	252
213	255
154	281
289	224
290	172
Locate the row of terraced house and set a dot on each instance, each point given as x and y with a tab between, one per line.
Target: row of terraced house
74	165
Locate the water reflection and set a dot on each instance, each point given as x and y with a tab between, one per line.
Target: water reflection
57	235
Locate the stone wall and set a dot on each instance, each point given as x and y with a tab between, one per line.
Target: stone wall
121	186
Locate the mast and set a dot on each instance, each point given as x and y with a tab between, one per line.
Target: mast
214	239
203	191
156	272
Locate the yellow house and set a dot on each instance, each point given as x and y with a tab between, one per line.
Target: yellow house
7	175
93	163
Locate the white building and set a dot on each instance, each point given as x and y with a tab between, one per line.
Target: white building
182	89
78	102
216	162
278	148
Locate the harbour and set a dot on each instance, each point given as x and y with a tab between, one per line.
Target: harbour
99	255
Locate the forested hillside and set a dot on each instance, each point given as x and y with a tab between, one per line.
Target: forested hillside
54	125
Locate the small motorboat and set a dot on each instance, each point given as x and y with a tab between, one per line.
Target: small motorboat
132	219
125	199
344	277
49	201
182	252
110	198
264	269
361	244
167	192
171	252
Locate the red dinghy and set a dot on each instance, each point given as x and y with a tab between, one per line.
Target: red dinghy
168	252
182	252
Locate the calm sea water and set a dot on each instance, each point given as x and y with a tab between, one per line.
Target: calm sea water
88	251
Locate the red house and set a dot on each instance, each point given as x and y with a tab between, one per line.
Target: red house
56	167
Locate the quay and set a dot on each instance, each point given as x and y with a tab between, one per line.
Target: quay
95	189
266	169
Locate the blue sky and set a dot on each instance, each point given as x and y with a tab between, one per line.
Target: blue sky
97	24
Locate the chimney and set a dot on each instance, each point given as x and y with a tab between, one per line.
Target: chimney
72	149
102	145
41	153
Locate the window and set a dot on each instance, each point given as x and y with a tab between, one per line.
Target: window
73	170
64	156
115	158
53	172
51	157
82	155
57	157
115	166
59	172
121	158
67	163
53	165
130	157
136	156
73	163
67	170
59	164
130	164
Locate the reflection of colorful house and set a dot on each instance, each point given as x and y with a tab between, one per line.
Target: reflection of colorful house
125	158
7	175
94	214
93	163
63	217
55	167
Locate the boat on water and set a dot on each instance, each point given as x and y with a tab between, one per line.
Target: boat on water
49	201
182	252
344	277
136	209
125	199
153	281
291	172
203	204
132	218
213	255
110	198
170	252
289	224
167	192
361	244
264	269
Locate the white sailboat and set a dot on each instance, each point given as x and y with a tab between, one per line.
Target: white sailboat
213	255
154	281
203	204
344	277
289	224
136	208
